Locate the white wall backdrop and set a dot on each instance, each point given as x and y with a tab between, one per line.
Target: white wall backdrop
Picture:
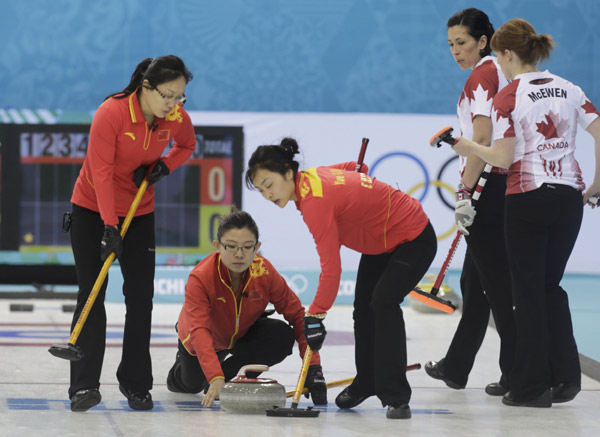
326	138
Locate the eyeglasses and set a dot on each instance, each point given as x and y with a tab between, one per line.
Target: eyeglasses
232	248
177	99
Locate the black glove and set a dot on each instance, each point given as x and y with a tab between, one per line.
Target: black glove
160	171
314	332
111	242
315	383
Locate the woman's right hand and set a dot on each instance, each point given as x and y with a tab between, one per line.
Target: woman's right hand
213	392
592	191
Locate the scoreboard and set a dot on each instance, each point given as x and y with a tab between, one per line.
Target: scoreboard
40	163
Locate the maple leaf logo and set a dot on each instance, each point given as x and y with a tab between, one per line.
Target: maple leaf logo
552	126
481	94
502	124
589	107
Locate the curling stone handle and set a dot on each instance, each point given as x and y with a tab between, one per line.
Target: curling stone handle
253	368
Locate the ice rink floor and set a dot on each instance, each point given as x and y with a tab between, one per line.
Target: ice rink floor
34	402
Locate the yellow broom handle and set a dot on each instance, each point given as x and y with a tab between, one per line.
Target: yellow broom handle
302	377
109	260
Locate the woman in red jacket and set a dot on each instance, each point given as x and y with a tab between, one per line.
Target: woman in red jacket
129	133
344	207
223	325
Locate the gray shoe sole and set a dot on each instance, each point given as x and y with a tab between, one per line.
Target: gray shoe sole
81	403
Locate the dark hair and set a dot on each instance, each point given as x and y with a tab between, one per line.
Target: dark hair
278	159
236	219
155	71
477	24
520	37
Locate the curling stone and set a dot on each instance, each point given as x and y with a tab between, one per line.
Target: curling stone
445	292
245	395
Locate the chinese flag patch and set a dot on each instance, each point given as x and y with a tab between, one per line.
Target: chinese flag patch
164	135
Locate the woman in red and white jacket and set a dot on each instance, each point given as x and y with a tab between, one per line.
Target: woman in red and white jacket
223	326
535	122
128	135
344	207
485	276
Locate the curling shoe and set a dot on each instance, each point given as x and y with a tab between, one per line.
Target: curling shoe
398	411
137	400
85	399
435	369
565	392
495	389
542	401
346	400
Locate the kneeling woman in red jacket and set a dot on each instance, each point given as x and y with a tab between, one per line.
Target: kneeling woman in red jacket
222	325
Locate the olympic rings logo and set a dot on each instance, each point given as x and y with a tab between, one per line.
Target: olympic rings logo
437	183
297	282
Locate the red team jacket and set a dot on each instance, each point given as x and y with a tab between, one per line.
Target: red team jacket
214	316
120	142
344	207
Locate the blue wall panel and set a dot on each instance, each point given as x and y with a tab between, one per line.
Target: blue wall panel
270	55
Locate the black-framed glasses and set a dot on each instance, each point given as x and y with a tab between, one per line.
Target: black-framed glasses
233	248
176	99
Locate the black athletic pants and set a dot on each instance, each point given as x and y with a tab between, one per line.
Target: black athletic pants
485	284
268	341
380	339
541	229
137	265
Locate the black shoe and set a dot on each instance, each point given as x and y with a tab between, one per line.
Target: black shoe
565	392
137	400
542	401
495	389
401	411
85	399
348	400
435	369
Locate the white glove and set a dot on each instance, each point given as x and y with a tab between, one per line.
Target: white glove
464	214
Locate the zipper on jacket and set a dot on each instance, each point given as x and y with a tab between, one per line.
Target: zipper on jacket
147	137
238	310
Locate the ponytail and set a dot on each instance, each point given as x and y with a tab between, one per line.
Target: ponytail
541	46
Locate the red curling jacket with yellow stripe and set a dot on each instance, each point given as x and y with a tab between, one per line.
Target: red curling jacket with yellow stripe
344	207
120	142
214	316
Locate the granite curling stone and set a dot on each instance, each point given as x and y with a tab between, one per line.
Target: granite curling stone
243	395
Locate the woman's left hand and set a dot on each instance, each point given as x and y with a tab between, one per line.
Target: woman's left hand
462	146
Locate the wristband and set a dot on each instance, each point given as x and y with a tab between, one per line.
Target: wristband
463	187
463	194
316	316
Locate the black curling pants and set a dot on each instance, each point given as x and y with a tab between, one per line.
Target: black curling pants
268	341
485	285
380	339
541	229
137	266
